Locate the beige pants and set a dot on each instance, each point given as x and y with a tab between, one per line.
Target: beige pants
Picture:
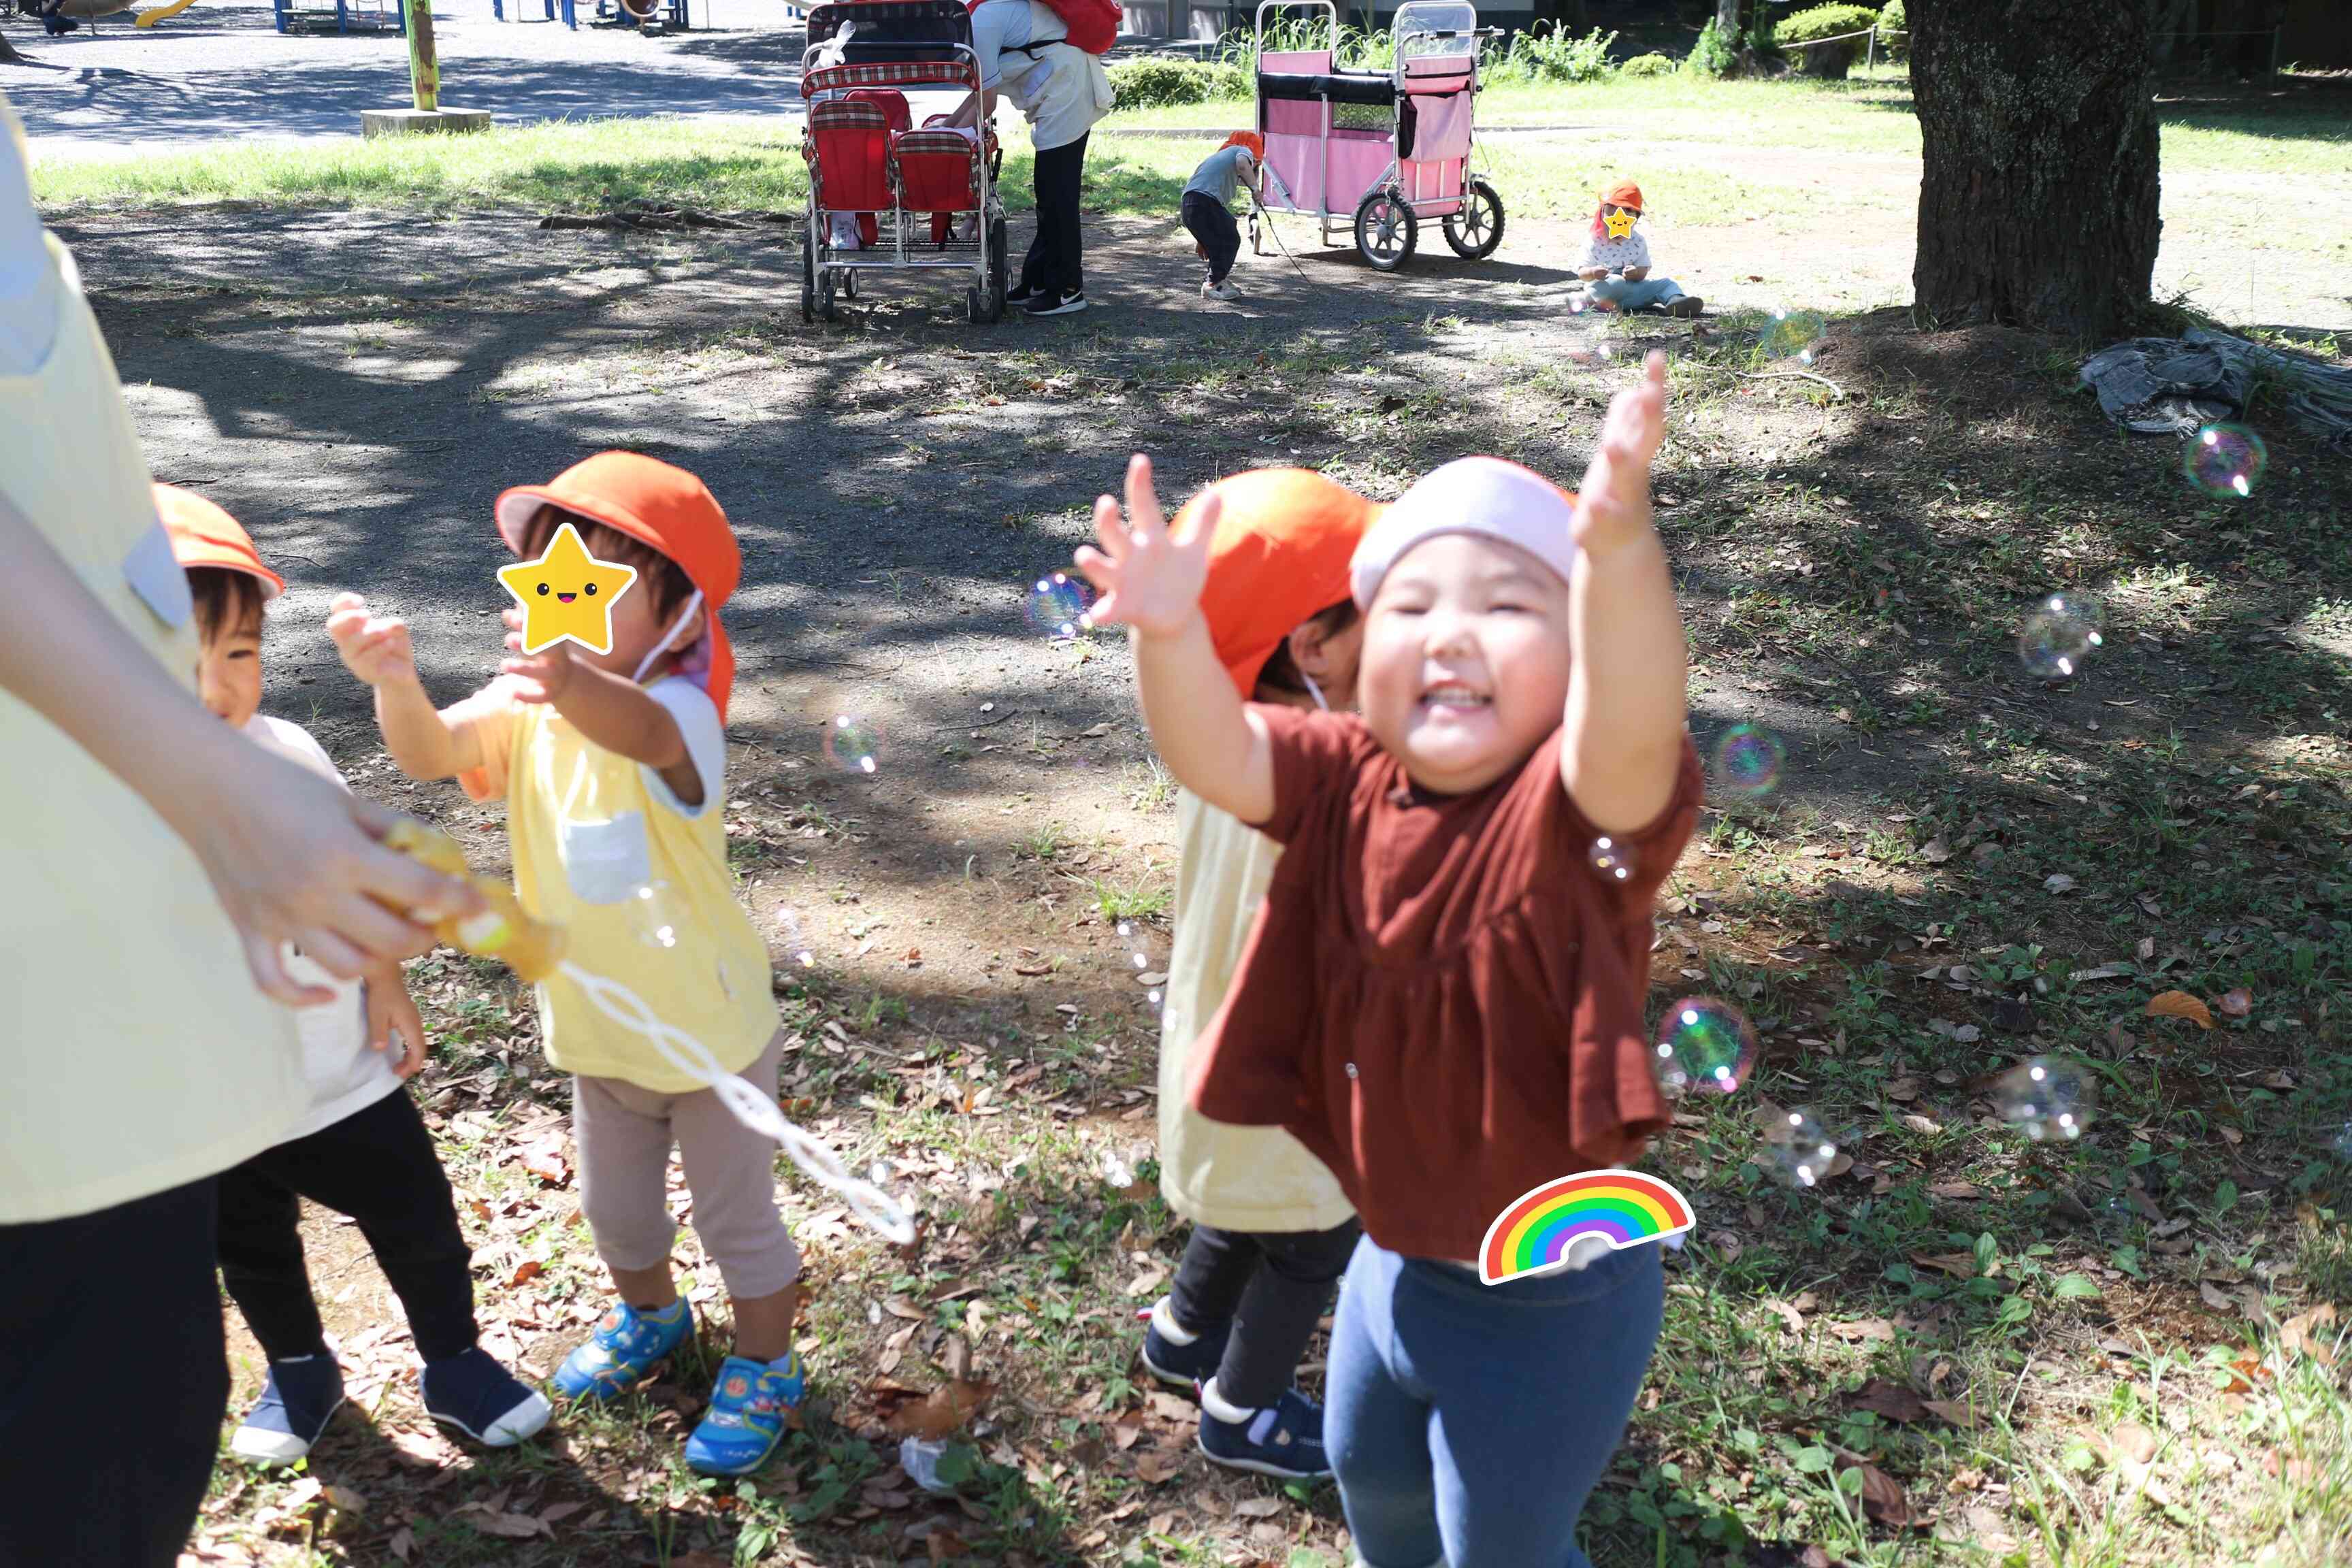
624	1133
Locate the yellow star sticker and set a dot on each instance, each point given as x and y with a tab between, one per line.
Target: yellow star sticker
1619	221
567	593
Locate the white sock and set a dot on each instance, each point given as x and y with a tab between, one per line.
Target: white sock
1163	1320
1217	1405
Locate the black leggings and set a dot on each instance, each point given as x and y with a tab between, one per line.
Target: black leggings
1272	1288
1211	222
377	1165
1056	262
111	1381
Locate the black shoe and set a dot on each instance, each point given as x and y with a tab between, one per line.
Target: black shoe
1068	304
1019	294
1187	1365
56	26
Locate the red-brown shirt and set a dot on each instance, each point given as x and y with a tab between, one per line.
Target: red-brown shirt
1443	998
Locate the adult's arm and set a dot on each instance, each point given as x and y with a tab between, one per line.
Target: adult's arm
291	857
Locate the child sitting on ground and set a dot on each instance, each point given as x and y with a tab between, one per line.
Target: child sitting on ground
1616	265
1207	208
1273	1232
1443	997
613	767
360	1149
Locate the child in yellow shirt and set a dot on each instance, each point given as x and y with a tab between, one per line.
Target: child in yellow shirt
612	766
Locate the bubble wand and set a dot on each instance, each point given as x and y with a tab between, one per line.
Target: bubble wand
534	949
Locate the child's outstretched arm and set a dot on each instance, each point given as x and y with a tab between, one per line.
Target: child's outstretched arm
1150	581
376	649
1623	740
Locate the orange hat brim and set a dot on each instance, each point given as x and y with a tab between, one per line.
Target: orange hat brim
1284	538
203	534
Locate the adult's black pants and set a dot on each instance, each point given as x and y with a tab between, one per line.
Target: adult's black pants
1055	262
378	1166
1273	1288
112	1380
1211	222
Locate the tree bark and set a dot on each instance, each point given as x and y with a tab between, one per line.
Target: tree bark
9	55
2038	137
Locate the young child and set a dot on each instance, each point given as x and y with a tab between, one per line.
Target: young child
1207	208
1616	266
1273	1231
613	768
362	1149
1443	998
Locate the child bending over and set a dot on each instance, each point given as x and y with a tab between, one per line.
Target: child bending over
613	767
1207	208
1442	999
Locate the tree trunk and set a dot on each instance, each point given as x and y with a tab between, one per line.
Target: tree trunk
2038	140
1727	19
9	55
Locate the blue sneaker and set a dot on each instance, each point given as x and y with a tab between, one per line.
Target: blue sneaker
482	1399
624	1348
1284	1439
1189	1365
296	1403
750	1406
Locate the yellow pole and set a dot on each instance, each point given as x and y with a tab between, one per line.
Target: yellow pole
423	66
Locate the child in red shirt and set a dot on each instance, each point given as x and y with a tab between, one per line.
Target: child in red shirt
1464	988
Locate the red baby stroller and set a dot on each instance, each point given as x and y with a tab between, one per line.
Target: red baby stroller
907	197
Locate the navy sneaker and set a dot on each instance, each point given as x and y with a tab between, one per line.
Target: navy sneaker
1185	1366
482	1399
625	1347
1049	305
296	1403
1284	1439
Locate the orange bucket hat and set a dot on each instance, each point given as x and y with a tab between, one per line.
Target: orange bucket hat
1281	551
1249	139
204	535
659	506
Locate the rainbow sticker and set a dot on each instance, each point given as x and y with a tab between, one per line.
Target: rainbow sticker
1624	1208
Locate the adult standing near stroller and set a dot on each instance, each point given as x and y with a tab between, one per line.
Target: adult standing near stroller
1025	55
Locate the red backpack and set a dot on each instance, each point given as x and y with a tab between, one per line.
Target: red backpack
1090	25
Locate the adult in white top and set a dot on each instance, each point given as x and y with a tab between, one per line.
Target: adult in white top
143	844
1061	90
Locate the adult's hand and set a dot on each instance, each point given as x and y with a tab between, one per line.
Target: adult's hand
293	857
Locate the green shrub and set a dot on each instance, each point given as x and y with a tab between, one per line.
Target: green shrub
1647	65
1893	31
1559	57
1830	60
1155	81
1713	54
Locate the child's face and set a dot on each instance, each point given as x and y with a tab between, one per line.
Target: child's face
1465	660
1334	662
637	627
229	672
1619	220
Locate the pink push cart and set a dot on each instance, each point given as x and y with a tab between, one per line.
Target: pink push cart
1377	150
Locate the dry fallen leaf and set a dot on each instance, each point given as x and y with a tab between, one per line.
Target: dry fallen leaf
2180	1005
1956	1190
1949	1410
2237	1004
512	1526
402	1543
1877	1330
1789	1315
1882	1498
943	1411
544	1159
2133	1442
945	1545
1891	1400
531	1269
1958	1265
2296	1334
1258	1507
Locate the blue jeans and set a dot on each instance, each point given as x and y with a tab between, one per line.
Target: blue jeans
1632	296
1466	1422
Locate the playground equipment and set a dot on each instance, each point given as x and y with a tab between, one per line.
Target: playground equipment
338	16
1377	150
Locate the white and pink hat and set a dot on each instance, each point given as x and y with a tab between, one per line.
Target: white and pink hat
1484	496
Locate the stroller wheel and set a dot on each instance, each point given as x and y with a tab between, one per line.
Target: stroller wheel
849	283
1476	230
825	284
1386	230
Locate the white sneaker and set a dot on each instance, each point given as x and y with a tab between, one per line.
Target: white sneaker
1225	290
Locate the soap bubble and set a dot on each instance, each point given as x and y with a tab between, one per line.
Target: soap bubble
653	914
853	744
2046	1097
1792	334
1610	859
2062	633
2225	461
1799	1151
1056	606
1747	760
1705	1044
795	932
2340	1145
1141	948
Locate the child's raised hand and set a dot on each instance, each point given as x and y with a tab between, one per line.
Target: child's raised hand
374	647
541	677
1148	578
1613	507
